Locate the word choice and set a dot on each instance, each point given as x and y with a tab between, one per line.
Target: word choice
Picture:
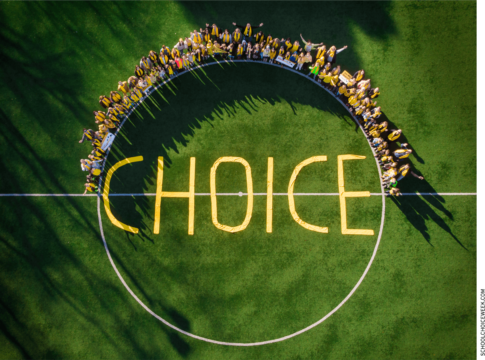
190	195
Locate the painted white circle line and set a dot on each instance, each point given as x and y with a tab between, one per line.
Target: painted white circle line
267	341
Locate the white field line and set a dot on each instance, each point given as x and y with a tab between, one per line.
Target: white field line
231	194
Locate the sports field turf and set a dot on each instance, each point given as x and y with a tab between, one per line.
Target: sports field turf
60	296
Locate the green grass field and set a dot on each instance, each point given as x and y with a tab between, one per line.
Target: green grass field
61	298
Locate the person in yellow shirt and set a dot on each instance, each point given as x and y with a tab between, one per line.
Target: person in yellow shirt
206	35
359	75
121	109
281	52
127	102
376	112
146	64
114	119
99	116
374	93
394	192
104	101
139	72
342	90
152	55
196	37
272	55
331	54
394	135
88	134
115	97
175	53
240	51
247	30
404	170
402	153
300	62
132	81
363	84
366	102
353	99
213	30
209	48
376	130
268	41
236	36
359	111
203	52
226	37
321	51
259	37
123	87
91	187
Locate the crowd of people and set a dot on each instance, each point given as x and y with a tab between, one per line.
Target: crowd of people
249	42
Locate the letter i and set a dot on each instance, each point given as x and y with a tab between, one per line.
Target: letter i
269	198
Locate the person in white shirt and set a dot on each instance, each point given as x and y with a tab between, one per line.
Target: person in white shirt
309	46
180	46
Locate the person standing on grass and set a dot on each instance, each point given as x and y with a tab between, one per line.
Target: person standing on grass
146	64
404	170
180	46
394	135
196	37
88	134
226	37
331	54
259	37
364	84
268	41
240	51
236	36
322	50
152	55
300	61
374	93
359	75
212	30
247	30
376	112
342	90
104	101
99	116
394	191
91	187
309	46
205	35
402	153
123	87
266	52
139	72
307	60
272	55
315	69
115	97
249	52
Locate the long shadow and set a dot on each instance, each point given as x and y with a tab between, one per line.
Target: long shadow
418	209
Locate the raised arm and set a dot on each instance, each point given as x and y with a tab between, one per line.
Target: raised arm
340	50
416	175
304	42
